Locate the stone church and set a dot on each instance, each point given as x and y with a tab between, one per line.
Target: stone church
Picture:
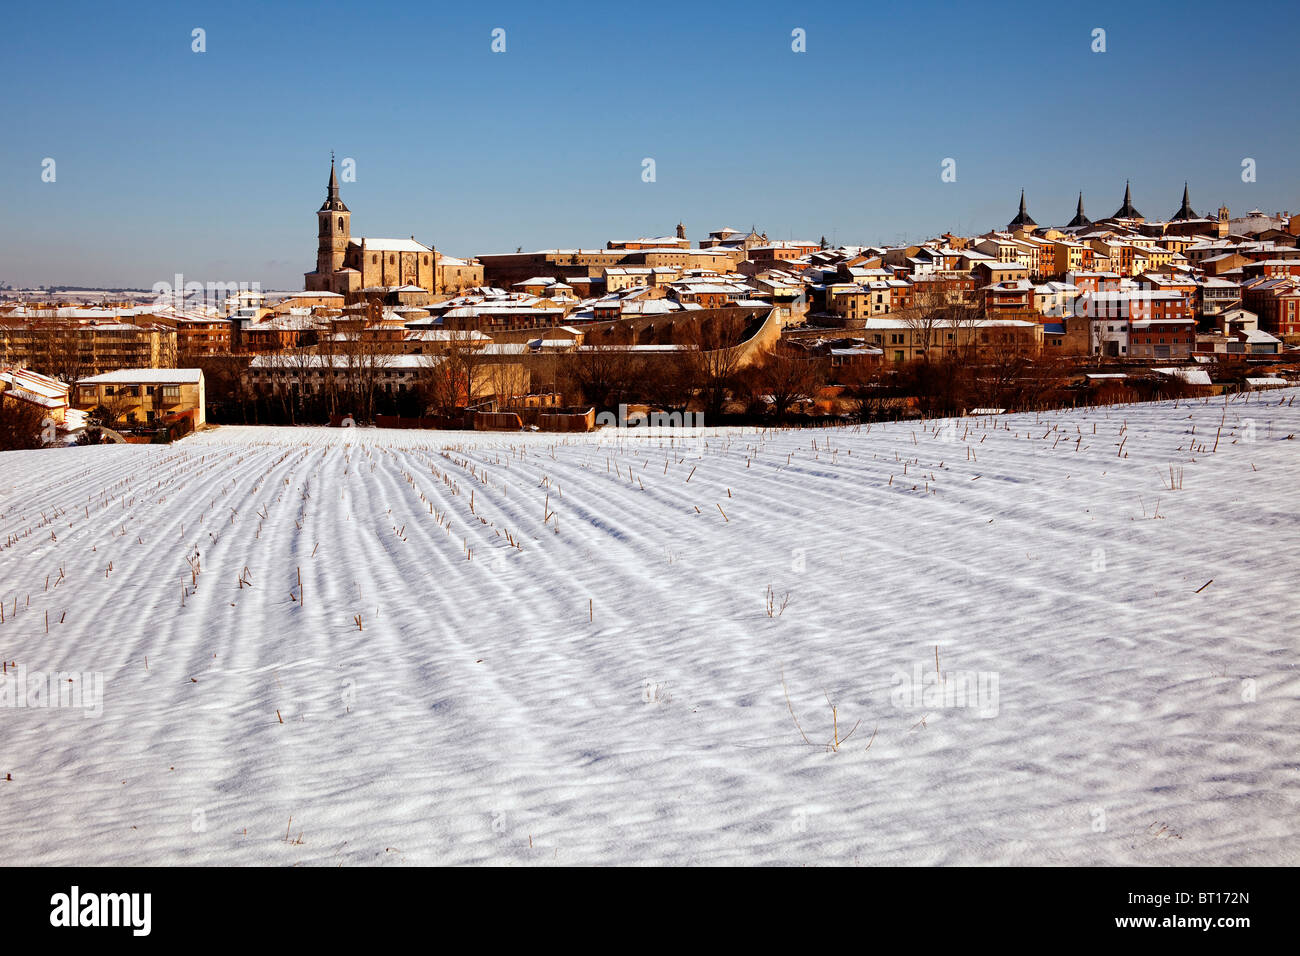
347	264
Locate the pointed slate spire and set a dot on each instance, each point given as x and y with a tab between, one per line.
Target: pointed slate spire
1080	220
332	200
1127	211
1022	220
1184	211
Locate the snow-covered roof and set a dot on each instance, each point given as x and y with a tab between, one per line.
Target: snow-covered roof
1191	376
146	376
34	387
390	245
446	335
316	360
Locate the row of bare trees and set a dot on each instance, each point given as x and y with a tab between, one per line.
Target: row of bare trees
949	385
934	315
51	347
700	367
336	375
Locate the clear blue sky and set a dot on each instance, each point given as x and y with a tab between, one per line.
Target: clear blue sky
213	164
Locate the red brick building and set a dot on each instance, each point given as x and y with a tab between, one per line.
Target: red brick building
1277	303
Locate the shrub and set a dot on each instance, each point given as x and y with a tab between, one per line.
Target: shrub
20	425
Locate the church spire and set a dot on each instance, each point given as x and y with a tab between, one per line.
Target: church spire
332	200
1127	211
1079	220
1185	210
1022	220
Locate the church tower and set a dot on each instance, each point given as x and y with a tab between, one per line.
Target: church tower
1080	221
1128	211
1185	210
1022	220
335	229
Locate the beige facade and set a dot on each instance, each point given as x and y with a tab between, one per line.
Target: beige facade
902	340
390	263
855	302
144	396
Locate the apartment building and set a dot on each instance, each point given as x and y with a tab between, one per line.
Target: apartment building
57	343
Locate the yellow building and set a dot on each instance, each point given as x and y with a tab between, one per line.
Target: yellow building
1069	256
904	340
145	396
855	302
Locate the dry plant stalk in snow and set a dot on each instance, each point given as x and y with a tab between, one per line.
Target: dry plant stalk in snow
773	609
833	745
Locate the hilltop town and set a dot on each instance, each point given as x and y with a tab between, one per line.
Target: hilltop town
736	326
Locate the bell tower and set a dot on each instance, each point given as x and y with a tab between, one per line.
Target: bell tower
335	229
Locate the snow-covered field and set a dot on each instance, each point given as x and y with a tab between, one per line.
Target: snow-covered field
559	650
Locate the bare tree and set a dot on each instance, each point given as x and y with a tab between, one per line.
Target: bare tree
112	410
863	388
601	374
363	361
506	381
962	321
788	378
713	355
665	380
303	363
61	353
439	385
924	317
452	380
1004	363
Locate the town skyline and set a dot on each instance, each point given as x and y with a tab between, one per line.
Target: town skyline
207	171
1081	204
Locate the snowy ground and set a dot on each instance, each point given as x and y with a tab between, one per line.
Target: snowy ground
486	712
